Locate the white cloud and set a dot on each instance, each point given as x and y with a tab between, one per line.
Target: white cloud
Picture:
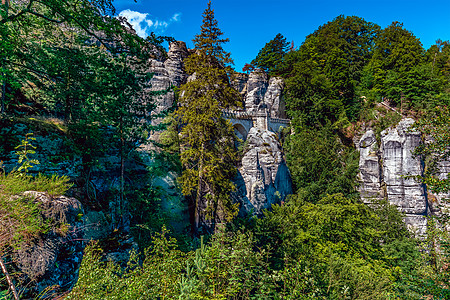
175	17
144	25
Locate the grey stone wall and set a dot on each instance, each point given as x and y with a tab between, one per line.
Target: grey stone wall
388	169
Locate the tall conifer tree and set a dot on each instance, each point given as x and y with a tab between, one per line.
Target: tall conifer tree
208	154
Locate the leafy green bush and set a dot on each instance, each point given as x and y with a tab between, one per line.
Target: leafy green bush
155	278
321	164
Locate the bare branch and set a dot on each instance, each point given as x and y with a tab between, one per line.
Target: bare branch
8	278
45	17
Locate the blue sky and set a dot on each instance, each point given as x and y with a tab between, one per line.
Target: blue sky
250	24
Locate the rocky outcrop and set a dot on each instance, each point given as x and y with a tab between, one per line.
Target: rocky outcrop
175	65
388	170
239	82
256	89
400	168
161	81
263	177
273	98
369	168
167	74
261	94
53	259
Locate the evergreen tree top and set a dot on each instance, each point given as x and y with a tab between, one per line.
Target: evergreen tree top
209	40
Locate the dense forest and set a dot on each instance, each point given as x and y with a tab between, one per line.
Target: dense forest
80	121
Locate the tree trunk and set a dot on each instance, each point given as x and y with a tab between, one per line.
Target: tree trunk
198	197
8	279
123	204
3	99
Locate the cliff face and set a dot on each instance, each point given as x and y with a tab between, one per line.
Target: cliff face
263	177
388	169
168	73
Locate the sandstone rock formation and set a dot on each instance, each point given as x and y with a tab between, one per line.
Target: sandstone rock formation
273	98
389	170
239	83
161	81
256	89
168	73
369	168
263	177
175	65
53	259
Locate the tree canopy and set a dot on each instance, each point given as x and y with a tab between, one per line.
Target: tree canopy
270	57
207	139
322	74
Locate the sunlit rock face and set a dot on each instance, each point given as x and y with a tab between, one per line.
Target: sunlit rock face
256	89
168	73
175	65
369	168
273	98
388	170
400	168
161	81
264	178
239	82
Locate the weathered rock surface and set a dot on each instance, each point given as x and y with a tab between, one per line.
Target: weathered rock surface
161	81
394	177
168	73
369	168
264	178
256	89
400	167
273	98
53	259
239	82
175	65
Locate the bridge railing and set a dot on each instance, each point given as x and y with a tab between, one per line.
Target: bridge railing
242	114
279	120
236	114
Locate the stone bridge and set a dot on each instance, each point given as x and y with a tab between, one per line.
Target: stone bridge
243	121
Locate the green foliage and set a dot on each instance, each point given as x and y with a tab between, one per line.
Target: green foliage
396	53
435	152
323	72
20	216
322	243
229	268
23	150
439	57
155	278
208	155
328	250
320	164
270	57
20	221
437	126
11	184
38	38
336	245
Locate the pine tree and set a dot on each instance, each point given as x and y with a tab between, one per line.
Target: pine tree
208	154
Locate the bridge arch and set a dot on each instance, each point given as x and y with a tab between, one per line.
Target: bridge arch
240	131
